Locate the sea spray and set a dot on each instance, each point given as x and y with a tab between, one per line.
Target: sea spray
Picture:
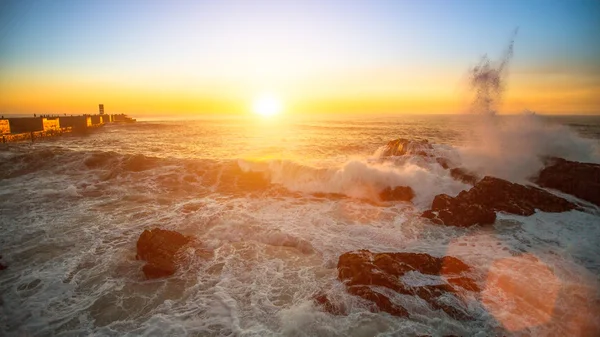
487	80
514	148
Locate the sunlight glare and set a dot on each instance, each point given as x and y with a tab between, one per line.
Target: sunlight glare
266	105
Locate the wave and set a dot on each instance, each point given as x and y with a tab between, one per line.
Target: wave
358	178
514	149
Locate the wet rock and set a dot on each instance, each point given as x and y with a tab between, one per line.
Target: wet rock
380	301
479	204
398	193
325	303
401	146
461	215
579	179
461	174
365	273
444	163
504	196
458	173
159	248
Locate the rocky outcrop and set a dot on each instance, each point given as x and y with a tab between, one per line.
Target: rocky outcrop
479	204
579	179
398	193
401	146
371	275
460	214
160	249
461	174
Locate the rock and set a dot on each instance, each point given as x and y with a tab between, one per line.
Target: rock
579	179
401	146
445	210
2	266
380	301
479	204
463	175
363	272
398	193
159	248
504	196
324	302
444	163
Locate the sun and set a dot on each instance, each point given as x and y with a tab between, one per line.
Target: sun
267	105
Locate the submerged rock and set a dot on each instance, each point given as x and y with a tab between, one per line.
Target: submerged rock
401	146
579	179
365	274
479	204
159	248
398	193
325	303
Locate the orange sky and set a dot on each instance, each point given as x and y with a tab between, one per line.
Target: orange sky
365	93
148	57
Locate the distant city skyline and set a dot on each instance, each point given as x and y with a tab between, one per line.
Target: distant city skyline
195	57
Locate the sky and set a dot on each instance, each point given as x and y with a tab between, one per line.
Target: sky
198	57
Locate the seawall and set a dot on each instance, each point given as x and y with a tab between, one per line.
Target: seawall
32	128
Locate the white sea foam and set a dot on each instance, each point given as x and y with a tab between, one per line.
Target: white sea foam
360	179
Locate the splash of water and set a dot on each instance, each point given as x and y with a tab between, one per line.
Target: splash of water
487	80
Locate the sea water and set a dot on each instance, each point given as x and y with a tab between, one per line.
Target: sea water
273	203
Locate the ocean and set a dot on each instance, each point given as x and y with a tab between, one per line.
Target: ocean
274	203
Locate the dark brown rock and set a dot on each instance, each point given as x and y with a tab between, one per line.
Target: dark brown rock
464	175
446	210
401	146
159	248
579	179
363	271
504	196
324	302
444	163
398	193
380	301
442	201
479	204
465	283
160	269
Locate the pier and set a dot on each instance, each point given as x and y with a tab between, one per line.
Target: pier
16	129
